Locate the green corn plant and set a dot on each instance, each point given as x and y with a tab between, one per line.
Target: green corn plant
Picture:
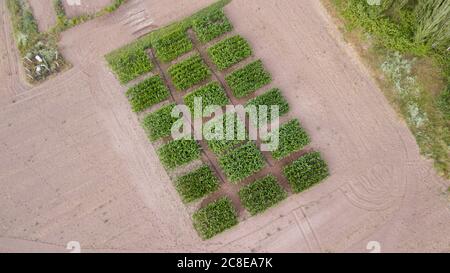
433	23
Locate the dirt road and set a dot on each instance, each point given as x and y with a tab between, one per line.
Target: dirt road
75	165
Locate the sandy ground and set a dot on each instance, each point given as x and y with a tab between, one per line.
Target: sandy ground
44	13
75	165
85	7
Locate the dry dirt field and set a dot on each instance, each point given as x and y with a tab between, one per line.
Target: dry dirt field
76	166
85	7
44	13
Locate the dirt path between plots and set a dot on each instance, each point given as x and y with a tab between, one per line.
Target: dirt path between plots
44	13
76	165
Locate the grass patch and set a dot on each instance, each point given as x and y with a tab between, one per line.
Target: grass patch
211	25
173	45
158	124
178	152
242	162
230	51
261	194
215	218
270	98
197	184
215	133
306	171
211	94
248	79
292	138
189	72
147	93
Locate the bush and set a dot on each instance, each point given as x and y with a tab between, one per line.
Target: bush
248	79
211	94
215	218
189	72
242	162
261	194
147	93
197	184
158	124
172	45
306	171
229	52
211	25
178	152
129	62
269	98
216	137
292	138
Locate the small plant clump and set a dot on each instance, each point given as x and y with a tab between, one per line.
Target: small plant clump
171	46
248	79
292	138
242	162
197	184
189	72
215	218
273	97
159	124
178	152
147	93
230	51
306	171
211	94
211	25
262	194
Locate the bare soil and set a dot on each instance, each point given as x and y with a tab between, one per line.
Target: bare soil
44	13
76	166
85	7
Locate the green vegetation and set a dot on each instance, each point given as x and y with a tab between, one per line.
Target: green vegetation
306	171
130	62
211	94
261	194
270	98
229	52
178	152
214	132
292	138
211	25
172	45
215	218
444	102
38	50
248	79
197	184
189	72
242	162
147	93
158	124
405	39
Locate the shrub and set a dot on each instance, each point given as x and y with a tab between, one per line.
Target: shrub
178	152
147	93
306	171
211	94
242	162
189	72
159	123
269	98
214	132
211	25
248	79
215	218
261	194
171	46
197	184
129	62
292	138
229	52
